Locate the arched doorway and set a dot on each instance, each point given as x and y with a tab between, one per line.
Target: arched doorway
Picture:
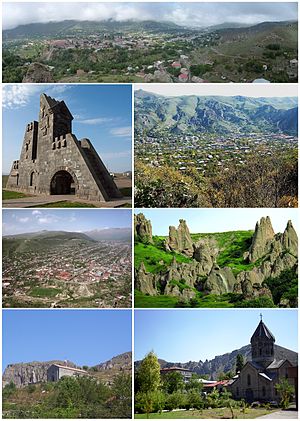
249	395
62	183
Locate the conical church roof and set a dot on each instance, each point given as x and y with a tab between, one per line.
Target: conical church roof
262	332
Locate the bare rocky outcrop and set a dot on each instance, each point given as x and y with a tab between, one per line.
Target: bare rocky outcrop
219	281
269	254
142	228
38	73
23	374
261	240
290	239
180	240
145	281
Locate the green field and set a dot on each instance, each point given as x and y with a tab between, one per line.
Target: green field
155	257
7	194
165	301
40	292
223	413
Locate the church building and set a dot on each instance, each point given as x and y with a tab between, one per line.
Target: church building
258	377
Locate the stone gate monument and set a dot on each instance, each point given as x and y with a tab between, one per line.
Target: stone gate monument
54	162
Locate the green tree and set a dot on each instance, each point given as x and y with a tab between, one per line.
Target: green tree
122	392
285	391
240	362
148	381
194	383
172	382
149	373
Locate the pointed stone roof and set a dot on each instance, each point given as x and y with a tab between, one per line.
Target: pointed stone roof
52	103
262	332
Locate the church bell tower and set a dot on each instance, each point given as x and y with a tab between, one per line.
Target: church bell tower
262	345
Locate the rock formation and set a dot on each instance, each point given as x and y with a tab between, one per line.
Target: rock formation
268	256
142	228
226	362
22	374
262	237
180	240
145	282
38	73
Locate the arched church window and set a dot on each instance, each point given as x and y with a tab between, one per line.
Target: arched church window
248	380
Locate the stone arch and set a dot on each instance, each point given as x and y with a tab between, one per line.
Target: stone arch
32	179
63	181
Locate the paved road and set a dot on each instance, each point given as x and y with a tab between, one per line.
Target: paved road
27	202
280	415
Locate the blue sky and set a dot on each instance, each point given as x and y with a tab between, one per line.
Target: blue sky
17	221
217	220
193	335
101	114
86	337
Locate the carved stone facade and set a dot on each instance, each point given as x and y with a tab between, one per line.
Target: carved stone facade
258	378
53	161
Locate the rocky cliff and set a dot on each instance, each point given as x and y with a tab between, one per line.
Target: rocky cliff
23	374
268	255
226	362
142	228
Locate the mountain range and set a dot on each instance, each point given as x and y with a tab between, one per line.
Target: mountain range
192	114
76	27
45	240
226	362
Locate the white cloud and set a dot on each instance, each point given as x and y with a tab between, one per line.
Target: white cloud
36	212
121	131
94	121
47	219
16	96
23	220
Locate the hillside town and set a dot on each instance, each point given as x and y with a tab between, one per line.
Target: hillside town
207	152
97	275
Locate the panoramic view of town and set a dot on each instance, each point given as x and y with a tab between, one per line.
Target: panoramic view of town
214	147
66	268
174	43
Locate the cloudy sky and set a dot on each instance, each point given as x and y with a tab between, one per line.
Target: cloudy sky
101	114
181	13
19	221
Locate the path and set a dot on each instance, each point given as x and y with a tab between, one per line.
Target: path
27	202
280	415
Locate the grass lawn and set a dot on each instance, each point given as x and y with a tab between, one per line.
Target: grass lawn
165	301
216	413
44	292
64	204
155	258
159	301
126	191
7	194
